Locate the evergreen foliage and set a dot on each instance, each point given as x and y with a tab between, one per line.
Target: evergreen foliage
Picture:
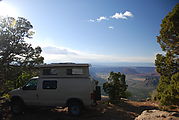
17	57
116	86
168	65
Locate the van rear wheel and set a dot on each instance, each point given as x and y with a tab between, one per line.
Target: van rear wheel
74	108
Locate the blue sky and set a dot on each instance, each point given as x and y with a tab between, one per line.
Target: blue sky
102	31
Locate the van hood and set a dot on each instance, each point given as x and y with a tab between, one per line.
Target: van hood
15	91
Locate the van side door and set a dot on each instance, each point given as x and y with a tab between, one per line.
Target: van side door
48	92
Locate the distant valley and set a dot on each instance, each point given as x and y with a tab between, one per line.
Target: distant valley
141	81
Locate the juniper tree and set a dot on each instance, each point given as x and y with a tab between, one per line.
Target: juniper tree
116	86
168	64
16	55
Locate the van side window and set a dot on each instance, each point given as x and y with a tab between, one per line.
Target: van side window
74	71
49	84
69	71
49	71
31	85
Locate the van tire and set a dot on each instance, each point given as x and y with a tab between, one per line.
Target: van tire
74	108
17	106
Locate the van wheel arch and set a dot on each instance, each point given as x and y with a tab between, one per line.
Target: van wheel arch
16	98
17	105
75	106
71	100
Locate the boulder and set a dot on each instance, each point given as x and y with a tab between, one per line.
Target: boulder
157	115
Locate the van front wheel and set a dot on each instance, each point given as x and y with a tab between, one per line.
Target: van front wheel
74	108
17	106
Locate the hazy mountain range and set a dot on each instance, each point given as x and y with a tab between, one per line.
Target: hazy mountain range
141	80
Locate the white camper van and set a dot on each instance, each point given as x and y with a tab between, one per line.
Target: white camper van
63	84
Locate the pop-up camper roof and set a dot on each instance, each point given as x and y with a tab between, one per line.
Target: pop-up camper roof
63	65
63	70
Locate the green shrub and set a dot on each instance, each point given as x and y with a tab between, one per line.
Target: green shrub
115	87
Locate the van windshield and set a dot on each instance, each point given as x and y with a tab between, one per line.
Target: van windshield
31	85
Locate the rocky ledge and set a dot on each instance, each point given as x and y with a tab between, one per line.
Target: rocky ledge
158	115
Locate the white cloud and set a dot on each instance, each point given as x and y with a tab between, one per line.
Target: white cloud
91	20
101	18
57	51
119	16
62	54
129	14
53	53
124	15
111	27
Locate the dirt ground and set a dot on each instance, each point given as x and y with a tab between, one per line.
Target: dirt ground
126	110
